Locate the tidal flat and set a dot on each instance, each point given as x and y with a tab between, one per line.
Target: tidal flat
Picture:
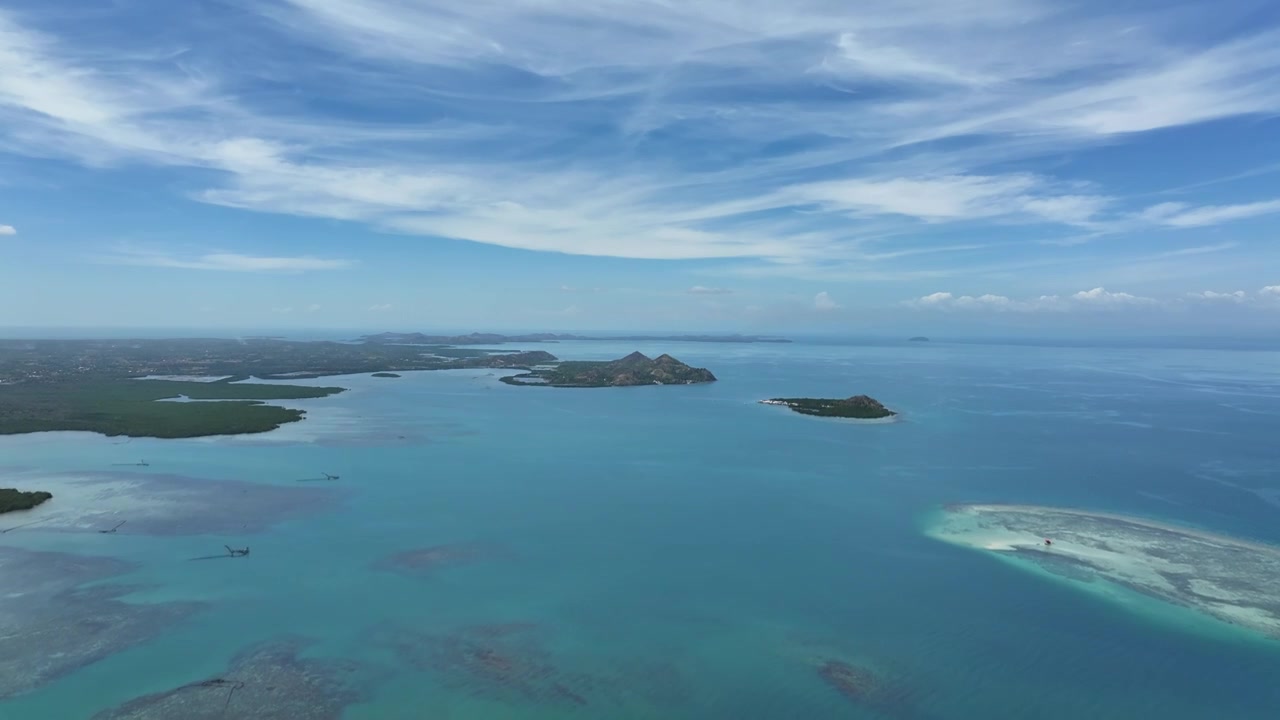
1231	579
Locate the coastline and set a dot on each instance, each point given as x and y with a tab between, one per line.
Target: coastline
896	417
163	504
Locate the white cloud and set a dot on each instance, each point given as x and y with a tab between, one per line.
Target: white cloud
227	262
701	290
1180	215
1238	296
8	230
1167	88
952	198
1095	298
1015	79
314	307
384	307
823	302
948	301
282	310
1196	250
1265	298
937	299
1103	297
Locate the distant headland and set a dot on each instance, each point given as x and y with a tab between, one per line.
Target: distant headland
416	338
858	407
634	369
918	338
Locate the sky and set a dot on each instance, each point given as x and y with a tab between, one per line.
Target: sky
1011	167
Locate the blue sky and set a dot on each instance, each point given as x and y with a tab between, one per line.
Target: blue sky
949	166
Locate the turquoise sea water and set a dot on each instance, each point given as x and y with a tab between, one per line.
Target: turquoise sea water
683	552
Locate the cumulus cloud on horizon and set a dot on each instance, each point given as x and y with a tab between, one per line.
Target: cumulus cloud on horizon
1238	296
823	302
1096	298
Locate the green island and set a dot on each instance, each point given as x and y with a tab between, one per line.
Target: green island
194	387
634	369
12	499
858	407
385	375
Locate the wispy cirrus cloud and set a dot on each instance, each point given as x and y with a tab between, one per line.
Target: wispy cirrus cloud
703	290
1181	215
224	262
954	198
863	121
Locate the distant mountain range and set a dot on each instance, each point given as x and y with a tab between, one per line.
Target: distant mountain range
391	338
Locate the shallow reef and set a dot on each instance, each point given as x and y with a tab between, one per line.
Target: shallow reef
50	626
425	560
512	663
268	682
1231	579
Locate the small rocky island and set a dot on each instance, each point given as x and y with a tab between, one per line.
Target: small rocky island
12	499
634	369
858	407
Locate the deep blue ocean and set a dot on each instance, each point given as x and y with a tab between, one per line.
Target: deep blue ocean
684	552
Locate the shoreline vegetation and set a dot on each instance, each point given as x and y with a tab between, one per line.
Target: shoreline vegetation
858	407
126	387
634	369
12	499
104	386
123	406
